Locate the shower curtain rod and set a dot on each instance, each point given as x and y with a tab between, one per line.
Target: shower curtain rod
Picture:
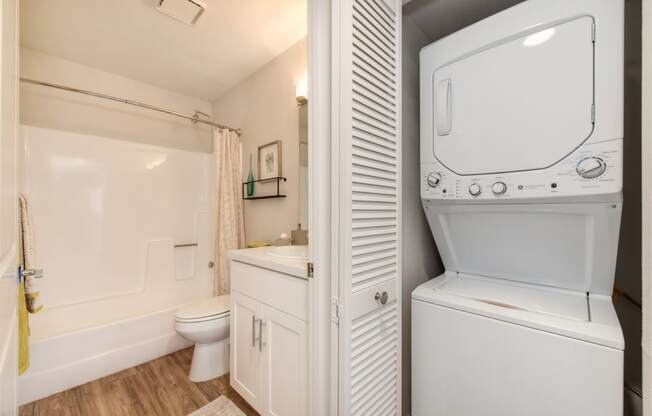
194	118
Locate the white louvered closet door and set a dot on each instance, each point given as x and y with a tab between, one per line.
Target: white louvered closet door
368	121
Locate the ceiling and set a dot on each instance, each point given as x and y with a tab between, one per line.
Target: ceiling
230	41
438	18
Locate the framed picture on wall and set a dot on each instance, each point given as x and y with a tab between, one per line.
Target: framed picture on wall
269	160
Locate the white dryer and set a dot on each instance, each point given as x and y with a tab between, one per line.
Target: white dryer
521	182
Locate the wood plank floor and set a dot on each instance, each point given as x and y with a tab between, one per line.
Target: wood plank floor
159	388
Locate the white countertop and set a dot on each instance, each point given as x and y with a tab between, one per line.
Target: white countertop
259	257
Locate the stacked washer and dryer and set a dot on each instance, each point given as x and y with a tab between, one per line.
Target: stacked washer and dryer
521	182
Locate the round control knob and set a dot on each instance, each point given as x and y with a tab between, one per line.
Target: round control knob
433	179
499	188
591	167
475	189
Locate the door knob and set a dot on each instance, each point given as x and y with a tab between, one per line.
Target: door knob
381	297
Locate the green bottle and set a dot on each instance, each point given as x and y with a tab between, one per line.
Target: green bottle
250	180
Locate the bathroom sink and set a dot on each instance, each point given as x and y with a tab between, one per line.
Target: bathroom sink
289	252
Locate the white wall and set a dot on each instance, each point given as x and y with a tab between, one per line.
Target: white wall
264	106
420	259
106	216
50	108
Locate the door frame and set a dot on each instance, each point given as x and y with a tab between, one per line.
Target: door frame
9	53
322	344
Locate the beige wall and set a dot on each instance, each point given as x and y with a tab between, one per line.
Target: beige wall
420	258
50	108
264	106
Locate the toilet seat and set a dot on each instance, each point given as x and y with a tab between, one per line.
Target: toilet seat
205	310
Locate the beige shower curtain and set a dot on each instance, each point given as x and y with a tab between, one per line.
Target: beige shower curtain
229	221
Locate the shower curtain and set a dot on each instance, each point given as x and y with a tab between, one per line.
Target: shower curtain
229	221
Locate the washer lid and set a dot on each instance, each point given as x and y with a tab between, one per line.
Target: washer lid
205	308
558	303
574	314
523	103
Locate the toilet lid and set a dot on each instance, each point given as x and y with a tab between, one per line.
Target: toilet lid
205	308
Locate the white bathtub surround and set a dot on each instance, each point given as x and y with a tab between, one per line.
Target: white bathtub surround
229	223
206	324
109	214
65	361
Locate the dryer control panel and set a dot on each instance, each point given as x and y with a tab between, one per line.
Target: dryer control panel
593	169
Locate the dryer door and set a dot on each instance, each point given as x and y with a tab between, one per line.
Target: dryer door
522	104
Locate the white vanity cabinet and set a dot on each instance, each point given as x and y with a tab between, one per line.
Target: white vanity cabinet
269	339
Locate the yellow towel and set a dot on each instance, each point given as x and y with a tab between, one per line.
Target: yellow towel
28	294
23	331
26	245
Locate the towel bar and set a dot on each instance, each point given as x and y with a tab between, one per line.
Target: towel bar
36	273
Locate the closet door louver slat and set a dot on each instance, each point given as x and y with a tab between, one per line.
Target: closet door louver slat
369	213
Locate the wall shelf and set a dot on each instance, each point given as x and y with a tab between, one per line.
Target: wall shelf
278	180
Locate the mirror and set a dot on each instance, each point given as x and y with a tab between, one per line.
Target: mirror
303	166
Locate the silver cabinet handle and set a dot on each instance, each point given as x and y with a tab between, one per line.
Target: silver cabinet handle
253	330
260	338
381	297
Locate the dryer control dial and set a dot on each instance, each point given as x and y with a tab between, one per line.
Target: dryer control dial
475	189
499	188
590	167
433	179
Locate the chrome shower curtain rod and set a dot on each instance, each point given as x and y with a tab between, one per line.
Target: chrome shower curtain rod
194	118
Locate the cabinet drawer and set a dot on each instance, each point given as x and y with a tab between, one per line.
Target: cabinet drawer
281	291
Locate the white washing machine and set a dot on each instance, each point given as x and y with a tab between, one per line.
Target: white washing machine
521	182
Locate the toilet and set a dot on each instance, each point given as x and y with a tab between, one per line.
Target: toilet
206	324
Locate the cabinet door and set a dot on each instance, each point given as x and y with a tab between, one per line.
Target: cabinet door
285	362
246	360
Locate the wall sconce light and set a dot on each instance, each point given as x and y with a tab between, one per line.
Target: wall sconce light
302	92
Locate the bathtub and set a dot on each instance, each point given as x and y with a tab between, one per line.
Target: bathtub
68	360
123	232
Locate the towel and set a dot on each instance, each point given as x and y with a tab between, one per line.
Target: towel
28	295
23	331
26	241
